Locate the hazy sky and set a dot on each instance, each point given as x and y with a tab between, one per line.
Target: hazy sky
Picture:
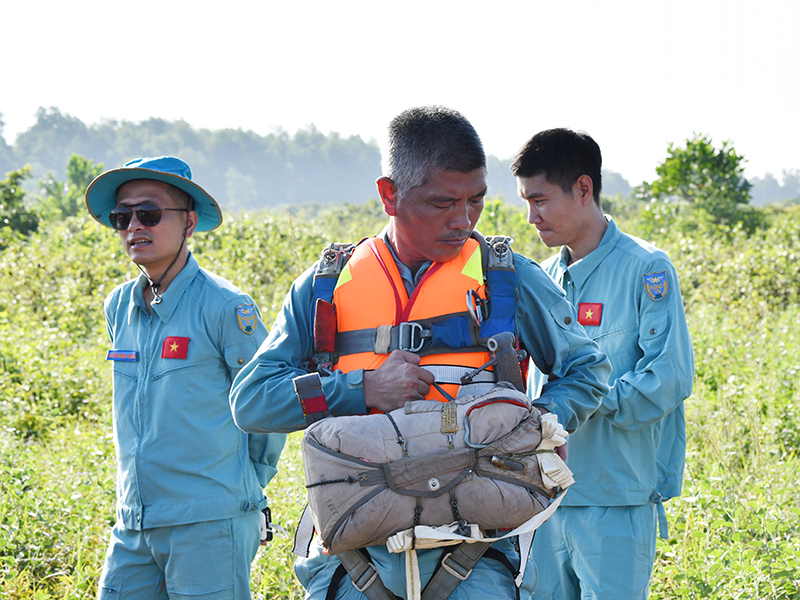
636	75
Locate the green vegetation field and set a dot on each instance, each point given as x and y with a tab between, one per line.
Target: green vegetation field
734	532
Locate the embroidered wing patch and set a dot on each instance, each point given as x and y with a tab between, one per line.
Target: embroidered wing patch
246	317
656	285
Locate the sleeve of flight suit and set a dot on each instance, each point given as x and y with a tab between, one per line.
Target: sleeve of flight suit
240	339
663	376
263	397
548	329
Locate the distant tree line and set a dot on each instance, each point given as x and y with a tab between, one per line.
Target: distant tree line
768	190
242	169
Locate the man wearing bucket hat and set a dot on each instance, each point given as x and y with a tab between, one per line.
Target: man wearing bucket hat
189	482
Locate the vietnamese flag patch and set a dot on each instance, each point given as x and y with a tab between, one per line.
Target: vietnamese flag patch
589	313
175	347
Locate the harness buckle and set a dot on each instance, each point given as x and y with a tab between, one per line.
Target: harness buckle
411	337
333	258
456	570
370	569
501	255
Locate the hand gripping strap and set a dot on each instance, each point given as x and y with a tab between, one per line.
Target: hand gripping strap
309	392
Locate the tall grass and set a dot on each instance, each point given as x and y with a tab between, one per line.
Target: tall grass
734	532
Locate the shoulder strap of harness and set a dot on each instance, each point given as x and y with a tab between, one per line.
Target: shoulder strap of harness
308	388
501	281
323	314
331	262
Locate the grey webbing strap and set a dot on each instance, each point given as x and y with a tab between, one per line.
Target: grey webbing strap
452	374
409	336
304	533
456	567
501	347
364	576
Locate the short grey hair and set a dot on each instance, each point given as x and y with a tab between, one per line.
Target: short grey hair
428	138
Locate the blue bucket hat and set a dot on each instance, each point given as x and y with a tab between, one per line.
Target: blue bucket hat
101	195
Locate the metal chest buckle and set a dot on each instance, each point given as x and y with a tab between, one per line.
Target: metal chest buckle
411	337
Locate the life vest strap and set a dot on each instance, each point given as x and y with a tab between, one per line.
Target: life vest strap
443	336
409	336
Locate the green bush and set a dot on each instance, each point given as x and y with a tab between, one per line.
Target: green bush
734	532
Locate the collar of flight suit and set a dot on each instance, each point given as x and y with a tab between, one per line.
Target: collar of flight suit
580	271
169	299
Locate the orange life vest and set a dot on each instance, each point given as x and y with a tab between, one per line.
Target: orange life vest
370	294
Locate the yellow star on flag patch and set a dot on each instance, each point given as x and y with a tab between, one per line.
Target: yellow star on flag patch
175	347
590	313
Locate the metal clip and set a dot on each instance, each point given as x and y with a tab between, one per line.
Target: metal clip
504	462
411	337
500	256
477	308
366	579
333	258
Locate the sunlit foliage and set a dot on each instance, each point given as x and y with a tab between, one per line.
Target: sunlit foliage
734	533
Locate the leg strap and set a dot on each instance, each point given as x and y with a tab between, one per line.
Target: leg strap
455	567
363	576
333	586
495	554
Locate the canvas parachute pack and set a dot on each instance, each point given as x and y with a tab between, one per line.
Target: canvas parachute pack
461	473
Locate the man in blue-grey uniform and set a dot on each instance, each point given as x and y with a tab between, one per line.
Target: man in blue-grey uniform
628	459
433	192
189	482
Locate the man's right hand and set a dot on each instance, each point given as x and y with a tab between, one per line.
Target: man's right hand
396	381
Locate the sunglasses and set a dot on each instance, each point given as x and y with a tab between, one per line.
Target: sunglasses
148	215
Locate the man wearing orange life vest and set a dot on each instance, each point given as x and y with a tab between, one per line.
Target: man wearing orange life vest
419	267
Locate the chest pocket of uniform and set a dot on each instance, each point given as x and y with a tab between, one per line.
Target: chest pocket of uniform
125	374
125	378
184	366
125	368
